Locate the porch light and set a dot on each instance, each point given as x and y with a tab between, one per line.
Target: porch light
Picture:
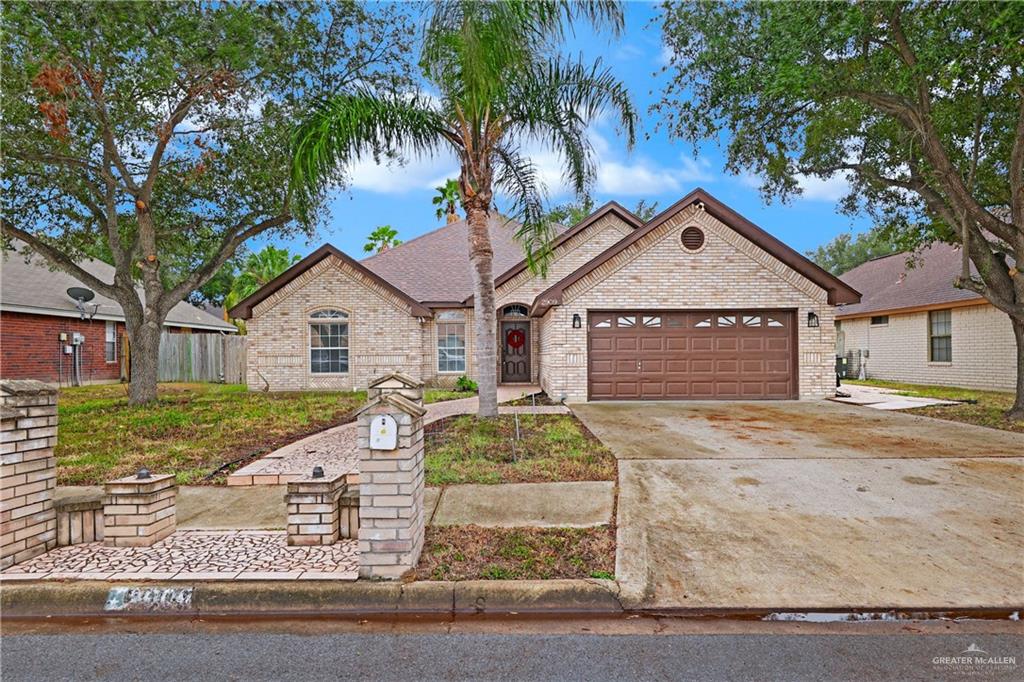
142	474
318	472
577	321
812	320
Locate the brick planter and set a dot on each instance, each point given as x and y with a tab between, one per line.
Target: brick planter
138	512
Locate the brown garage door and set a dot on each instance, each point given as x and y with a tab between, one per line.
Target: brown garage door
696	355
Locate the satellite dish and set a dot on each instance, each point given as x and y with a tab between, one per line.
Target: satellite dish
81	294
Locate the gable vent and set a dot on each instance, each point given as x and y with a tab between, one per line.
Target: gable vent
692	238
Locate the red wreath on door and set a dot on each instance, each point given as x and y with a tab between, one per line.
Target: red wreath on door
515	338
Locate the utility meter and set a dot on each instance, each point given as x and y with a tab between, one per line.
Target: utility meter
383	433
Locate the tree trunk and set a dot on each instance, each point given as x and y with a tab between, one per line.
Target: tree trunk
1017	411
485	321
144	342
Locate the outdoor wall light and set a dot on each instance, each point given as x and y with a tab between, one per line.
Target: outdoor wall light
143	473
812	320
577	321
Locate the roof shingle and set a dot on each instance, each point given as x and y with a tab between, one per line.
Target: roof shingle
889	283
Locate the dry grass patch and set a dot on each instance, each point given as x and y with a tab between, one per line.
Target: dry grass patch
190	431
465	449
475	553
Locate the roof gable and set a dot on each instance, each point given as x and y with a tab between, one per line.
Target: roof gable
838	291
244	307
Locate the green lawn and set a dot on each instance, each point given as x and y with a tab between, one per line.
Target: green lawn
553	447
475	553
438	395
986	408
191	431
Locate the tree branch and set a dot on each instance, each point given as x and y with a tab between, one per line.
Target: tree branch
61	261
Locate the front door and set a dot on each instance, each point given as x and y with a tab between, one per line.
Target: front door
515	351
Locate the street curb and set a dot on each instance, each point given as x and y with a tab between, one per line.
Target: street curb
90	598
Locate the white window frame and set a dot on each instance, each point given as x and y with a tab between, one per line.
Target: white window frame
442	320
342	318
110	342
932	335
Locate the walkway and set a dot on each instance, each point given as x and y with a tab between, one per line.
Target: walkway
335	449
197	555
879	398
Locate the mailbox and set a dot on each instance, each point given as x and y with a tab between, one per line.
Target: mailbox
383	433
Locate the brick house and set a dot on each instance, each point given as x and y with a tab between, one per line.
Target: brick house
696	303
913	325
39	321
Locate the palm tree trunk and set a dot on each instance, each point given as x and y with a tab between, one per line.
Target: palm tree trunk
485	321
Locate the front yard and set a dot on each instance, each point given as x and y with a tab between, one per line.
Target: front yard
549	447
192	430
983	408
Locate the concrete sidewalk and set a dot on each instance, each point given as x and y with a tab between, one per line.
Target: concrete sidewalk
577	504
878	398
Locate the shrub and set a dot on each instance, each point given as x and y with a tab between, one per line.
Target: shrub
464	383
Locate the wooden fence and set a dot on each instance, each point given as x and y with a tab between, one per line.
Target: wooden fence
202	357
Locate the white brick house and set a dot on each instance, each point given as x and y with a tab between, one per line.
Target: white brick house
697	303
913	325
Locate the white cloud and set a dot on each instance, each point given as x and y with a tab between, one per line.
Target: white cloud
395	177
646	178
814	189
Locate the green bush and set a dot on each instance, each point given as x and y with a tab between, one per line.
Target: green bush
465	384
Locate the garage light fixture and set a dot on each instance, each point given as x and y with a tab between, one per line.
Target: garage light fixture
577	321
812	320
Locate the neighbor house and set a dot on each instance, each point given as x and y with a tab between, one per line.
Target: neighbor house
697	303
913	325
44	335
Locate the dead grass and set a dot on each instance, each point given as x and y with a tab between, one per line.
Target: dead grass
475	553
983	408
190	431
465	449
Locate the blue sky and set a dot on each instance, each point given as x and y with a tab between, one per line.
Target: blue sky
657	169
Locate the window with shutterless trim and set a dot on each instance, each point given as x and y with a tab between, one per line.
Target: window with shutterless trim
110	342
328	342
451	342
940	336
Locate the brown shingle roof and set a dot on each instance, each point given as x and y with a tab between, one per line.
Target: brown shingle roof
434	267
889	284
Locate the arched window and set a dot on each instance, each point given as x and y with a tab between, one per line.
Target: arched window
328	342
451	341
515	310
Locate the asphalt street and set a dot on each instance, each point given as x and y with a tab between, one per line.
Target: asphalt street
214	654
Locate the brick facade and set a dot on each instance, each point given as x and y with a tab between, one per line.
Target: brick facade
655	272
984	353
30	348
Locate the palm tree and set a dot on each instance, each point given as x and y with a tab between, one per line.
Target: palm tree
499	82
381	239
446	198
258	269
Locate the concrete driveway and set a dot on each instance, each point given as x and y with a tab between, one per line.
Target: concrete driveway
812	505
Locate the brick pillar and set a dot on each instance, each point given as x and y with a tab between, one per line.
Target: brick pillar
391	516
138	512
28	473
314	509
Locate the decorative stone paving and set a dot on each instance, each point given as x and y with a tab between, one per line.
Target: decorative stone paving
197	555
335	449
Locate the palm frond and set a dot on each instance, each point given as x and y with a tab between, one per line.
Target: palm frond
555	101
517	178
343	128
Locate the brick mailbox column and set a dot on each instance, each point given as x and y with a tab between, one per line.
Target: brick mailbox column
391	516
314	508
28	470
139	510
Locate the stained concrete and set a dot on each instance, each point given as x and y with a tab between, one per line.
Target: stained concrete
784	430
819	506
579	504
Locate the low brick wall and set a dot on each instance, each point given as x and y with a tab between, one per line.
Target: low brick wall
28	470
314	508
138	512
79	519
